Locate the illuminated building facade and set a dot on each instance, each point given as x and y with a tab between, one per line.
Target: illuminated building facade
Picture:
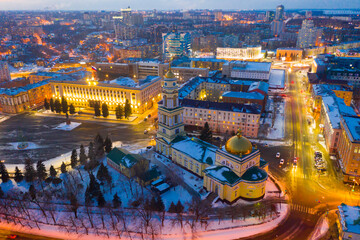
259	71
141	95
232	172
176	44
239	53
4	72
349	149
309	35
222	117
17	100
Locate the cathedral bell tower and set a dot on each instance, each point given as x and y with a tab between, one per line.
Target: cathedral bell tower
170	114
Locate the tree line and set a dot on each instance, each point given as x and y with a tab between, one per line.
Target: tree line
99	109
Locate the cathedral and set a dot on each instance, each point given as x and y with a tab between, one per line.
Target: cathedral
233	171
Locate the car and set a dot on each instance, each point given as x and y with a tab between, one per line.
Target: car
278	155
12	236
282	161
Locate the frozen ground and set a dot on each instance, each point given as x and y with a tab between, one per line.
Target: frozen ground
67	127
28	127
17	146
226	230
276	121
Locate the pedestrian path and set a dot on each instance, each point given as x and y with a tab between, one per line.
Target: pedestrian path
304	209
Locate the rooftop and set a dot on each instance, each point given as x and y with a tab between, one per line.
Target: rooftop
352	127
250	66
223	174
197	149
349	218
244	95
123	157
277	78
232	107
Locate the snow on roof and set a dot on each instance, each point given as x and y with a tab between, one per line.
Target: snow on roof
349	218
123	157
242	82
162	187
263	86
195	82
15	91
322	89
197	149
223	174
124	81
244	95
222	106
352	127
254	174
334	108
251	66
277	78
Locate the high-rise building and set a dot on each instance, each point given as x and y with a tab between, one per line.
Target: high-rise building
176	44
309	35
126	15
279	13
308	14
270	15
278	25
4	72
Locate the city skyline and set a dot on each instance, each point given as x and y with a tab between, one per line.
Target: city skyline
175	4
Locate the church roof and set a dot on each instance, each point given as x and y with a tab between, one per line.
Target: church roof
254	174
238	145
223	174
197	149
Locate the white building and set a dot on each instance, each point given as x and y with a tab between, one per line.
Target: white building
247	70
239	53
309	35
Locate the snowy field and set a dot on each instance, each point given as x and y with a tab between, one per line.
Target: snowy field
67	127
128	191
3	118
226	230
17	146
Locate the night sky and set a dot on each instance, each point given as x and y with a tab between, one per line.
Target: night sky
174	4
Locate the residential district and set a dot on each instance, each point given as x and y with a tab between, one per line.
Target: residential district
180	124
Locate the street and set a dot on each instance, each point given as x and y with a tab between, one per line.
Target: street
311	194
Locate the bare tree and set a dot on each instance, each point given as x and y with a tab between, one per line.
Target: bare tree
145	213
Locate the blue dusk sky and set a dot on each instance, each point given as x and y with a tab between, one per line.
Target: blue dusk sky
174	4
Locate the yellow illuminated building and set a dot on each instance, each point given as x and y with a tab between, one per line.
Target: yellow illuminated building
232	172
141	94
349	149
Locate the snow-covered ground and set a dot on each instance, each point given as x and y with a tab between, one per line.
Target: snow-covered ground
321	229
3	118
56	162
190	179
67	127
278	130
129	191
27	146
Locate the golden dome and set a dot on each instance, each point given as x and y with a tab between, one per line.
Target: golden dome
238	145
169	74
